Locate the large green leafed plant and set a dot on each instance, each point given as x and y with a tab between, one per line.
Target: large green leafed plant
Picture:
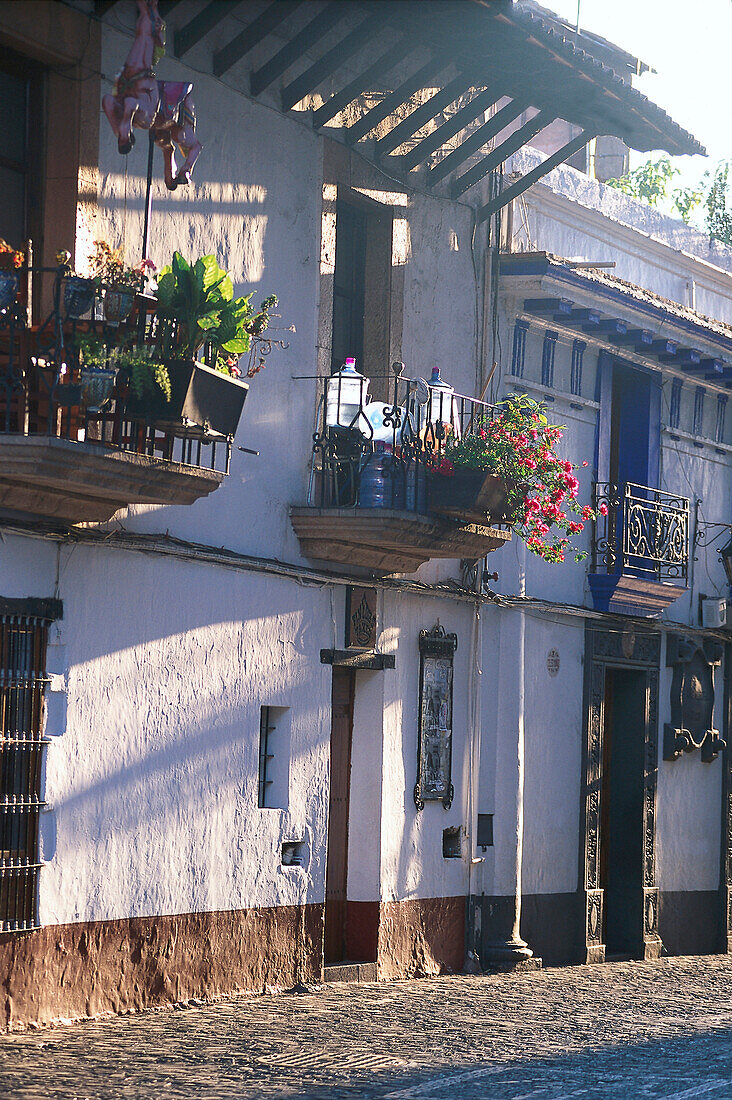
197	307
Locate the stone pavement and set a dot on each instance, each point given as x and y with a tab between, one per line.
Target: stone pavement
661	1029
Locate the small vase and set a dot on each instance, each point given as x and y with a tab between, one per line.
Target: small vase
9	283
118	303
78	296
97	387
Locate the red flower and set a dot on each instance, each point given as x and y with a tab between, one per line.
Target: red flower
603	509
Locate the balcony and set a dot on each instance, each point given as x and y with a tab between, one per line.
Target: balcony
640	553
371	499
75	444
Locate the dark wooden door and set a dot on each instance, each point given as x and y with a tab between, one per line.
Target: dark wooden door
621	831
336	874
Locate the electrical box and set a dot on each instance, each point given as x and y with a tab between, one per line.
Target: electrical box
714	612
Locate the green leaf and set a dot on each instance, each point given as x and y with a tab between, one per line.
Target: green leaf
237	346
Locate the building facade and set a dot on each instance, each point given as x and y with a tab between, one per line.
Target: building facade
219	679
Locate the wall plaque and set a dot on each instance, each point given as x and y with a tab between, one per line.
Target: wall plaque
361	618
692	698
434	742
552	662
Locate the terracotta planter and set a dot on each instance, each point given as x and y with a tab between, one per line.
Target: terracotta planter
202	402
78	296
9	283
118	303
472	495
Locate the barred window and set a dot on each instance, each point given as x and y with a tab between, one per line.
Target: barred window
674	418
547	358
721	416
698	428
23	641
578	351
518	353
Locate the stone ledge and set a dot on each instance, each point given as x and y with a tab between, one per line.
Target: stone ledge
85	482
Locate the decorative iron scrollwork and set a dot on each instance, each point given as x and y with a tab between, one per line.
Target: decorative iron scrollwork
692	698
642	530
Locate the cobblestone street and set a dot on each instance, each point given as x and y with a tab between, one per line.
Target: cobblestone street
620	1030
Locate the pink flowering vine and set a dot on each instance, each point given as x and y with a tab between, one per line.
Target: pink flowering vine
519	444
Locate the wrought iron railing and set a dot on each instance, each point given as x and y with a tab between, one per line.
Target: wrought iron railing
378	453
45	389
640	531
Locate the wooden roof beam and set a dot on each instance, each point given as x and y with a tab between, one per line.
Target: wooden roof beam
267	21
331	61
477	140
203	22
421	79
449	129
422	115
165	7
505	149
383	64
303	41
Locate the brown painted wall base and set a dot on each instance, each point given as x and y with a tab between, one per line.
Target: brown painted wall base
421	936
72	971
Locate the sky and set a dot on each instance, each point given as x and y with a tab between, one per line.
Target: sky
690	46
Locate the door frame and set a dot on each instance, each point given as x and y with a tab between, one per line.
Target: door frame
615	644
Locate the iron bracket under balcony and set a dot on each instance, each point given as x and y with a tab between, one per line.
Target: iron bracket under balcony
640	550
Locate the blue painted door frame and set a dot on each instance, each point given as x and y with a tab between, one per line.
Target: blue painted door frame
630	407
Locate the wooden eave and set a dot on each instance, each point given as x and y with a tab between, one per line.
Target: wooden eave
298	49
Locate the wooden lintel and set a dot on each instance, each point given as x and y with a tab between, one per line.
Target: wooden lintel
357	658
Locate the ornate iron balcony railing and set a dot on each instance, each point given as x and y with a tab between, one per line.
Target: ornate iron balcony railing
46	391
376	452
641	531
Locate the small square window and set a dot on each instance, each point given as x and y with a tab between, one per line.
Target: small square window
451	843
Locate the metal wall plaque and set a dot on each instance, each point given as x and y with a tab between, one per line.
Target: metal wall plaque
361	620
552	662
434	742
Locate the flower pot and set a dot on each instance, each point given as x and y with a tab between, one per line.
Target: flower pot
203	401
78	296
472	495
97	387
9	283
118	303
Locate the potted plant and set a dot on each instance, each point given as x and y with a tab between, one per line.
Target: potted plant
11	260
506	469
120	282
198	315
97	371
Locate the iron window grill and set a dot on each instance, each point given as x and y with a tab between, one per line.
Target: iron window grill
698	428
547	358
578	351
266	728
721	416
641	531
23	641
674	418
518	352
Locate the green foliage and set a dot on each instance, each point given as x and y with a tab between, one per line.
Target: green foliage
92	352
149	379
718	217
196	306
649	182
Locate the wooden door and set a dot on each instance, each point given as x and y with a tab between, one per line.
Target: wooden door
336	875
